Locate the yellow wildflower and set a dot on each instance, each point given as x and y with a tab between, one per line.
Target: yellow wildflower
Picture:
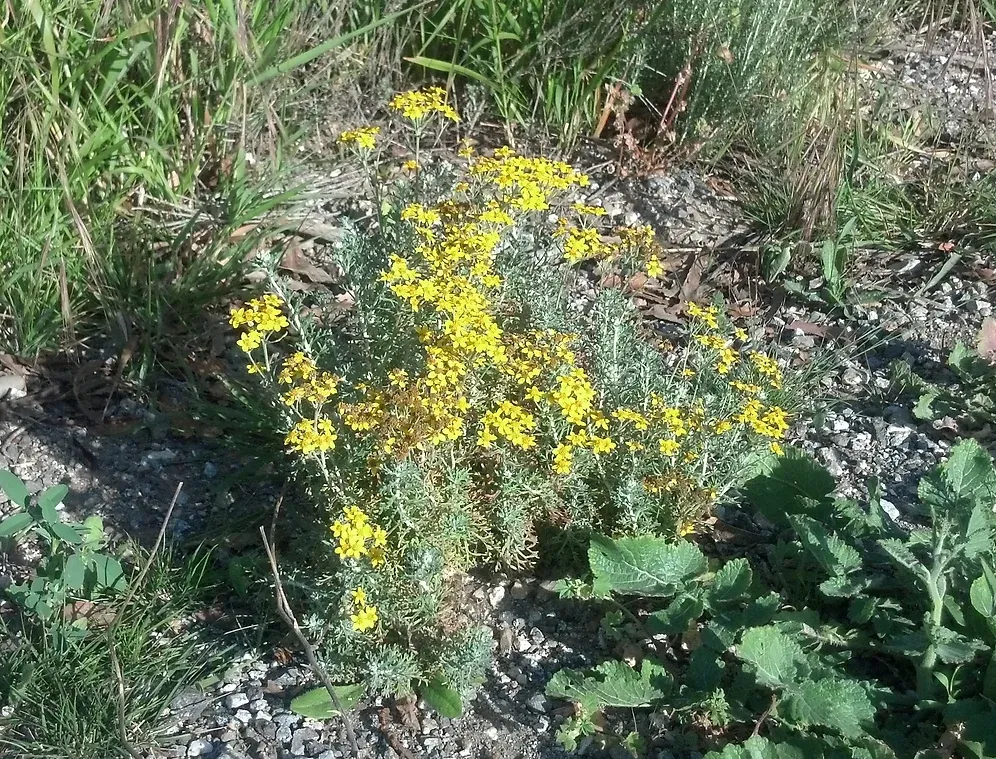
364	619
417	104
365	138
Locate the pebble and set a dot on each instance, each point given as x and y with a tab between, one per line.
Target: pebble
236	700
496	595
300	738
538	703
519	590
491	733
200	747
283	734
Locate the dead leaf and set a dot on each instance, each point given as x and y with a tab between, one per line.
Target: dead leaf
665	314
97	616
987	341
695	267
295	261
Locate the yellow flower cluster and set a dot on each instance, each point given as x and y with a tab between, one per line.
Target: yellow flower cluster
511	422
311	436
364	616
417	104
354	531
526	183
260	317
365	138
767	367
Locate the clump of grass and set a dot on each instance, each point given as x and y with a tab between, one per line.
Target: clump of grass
123	129
60	692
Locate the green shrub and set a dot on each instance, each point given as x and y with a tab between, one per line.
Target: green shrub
461	406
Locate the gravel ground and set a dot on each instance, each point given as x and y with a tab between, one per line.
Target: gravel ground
128	478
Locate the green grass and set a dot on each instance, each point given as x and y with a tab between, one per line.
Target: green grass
62	693
123	132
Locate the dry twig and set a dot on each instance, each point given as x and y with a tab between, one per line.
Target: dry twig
287	615
112	629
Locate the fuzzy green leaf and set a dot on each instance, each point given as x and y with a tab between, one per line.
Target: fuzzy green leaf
969	471
443	699
612	684
645	566
842	705
983	597
924	408
953	648
11	484
836	557
15	523
317	703
776	658
979	532
794	484
675	619
757	747
900	553
731	583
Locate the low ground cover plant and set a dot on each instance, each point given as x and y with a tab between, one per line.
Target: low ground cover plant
463	414
970	401
866	638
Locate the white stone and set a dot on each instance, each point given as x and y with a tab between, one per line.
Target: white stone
200	747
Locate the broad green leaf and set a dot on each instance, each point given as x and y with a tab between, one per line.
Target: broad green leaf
644	566
74	573
317	703
757	747
983	597
731	583
795	484
64	532
842	705
93	527
51	498
705	669
15	523
924	407
773	654
11	484
677	616
969	471
612	684
833	554
953	648
109	572
901	554
443	699
844	587
979	531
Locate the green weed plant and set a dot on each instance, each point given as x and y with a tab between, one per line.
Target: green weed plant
866	638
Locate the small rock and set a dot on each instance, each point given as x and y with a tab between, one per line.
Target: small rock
851	376
538	703
519	590
12	386
200	747
287	719
243	716
491	733
210	470
523	644
283	734
861	441
236	700
301	738
496	595
979	306
431	744
157	458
